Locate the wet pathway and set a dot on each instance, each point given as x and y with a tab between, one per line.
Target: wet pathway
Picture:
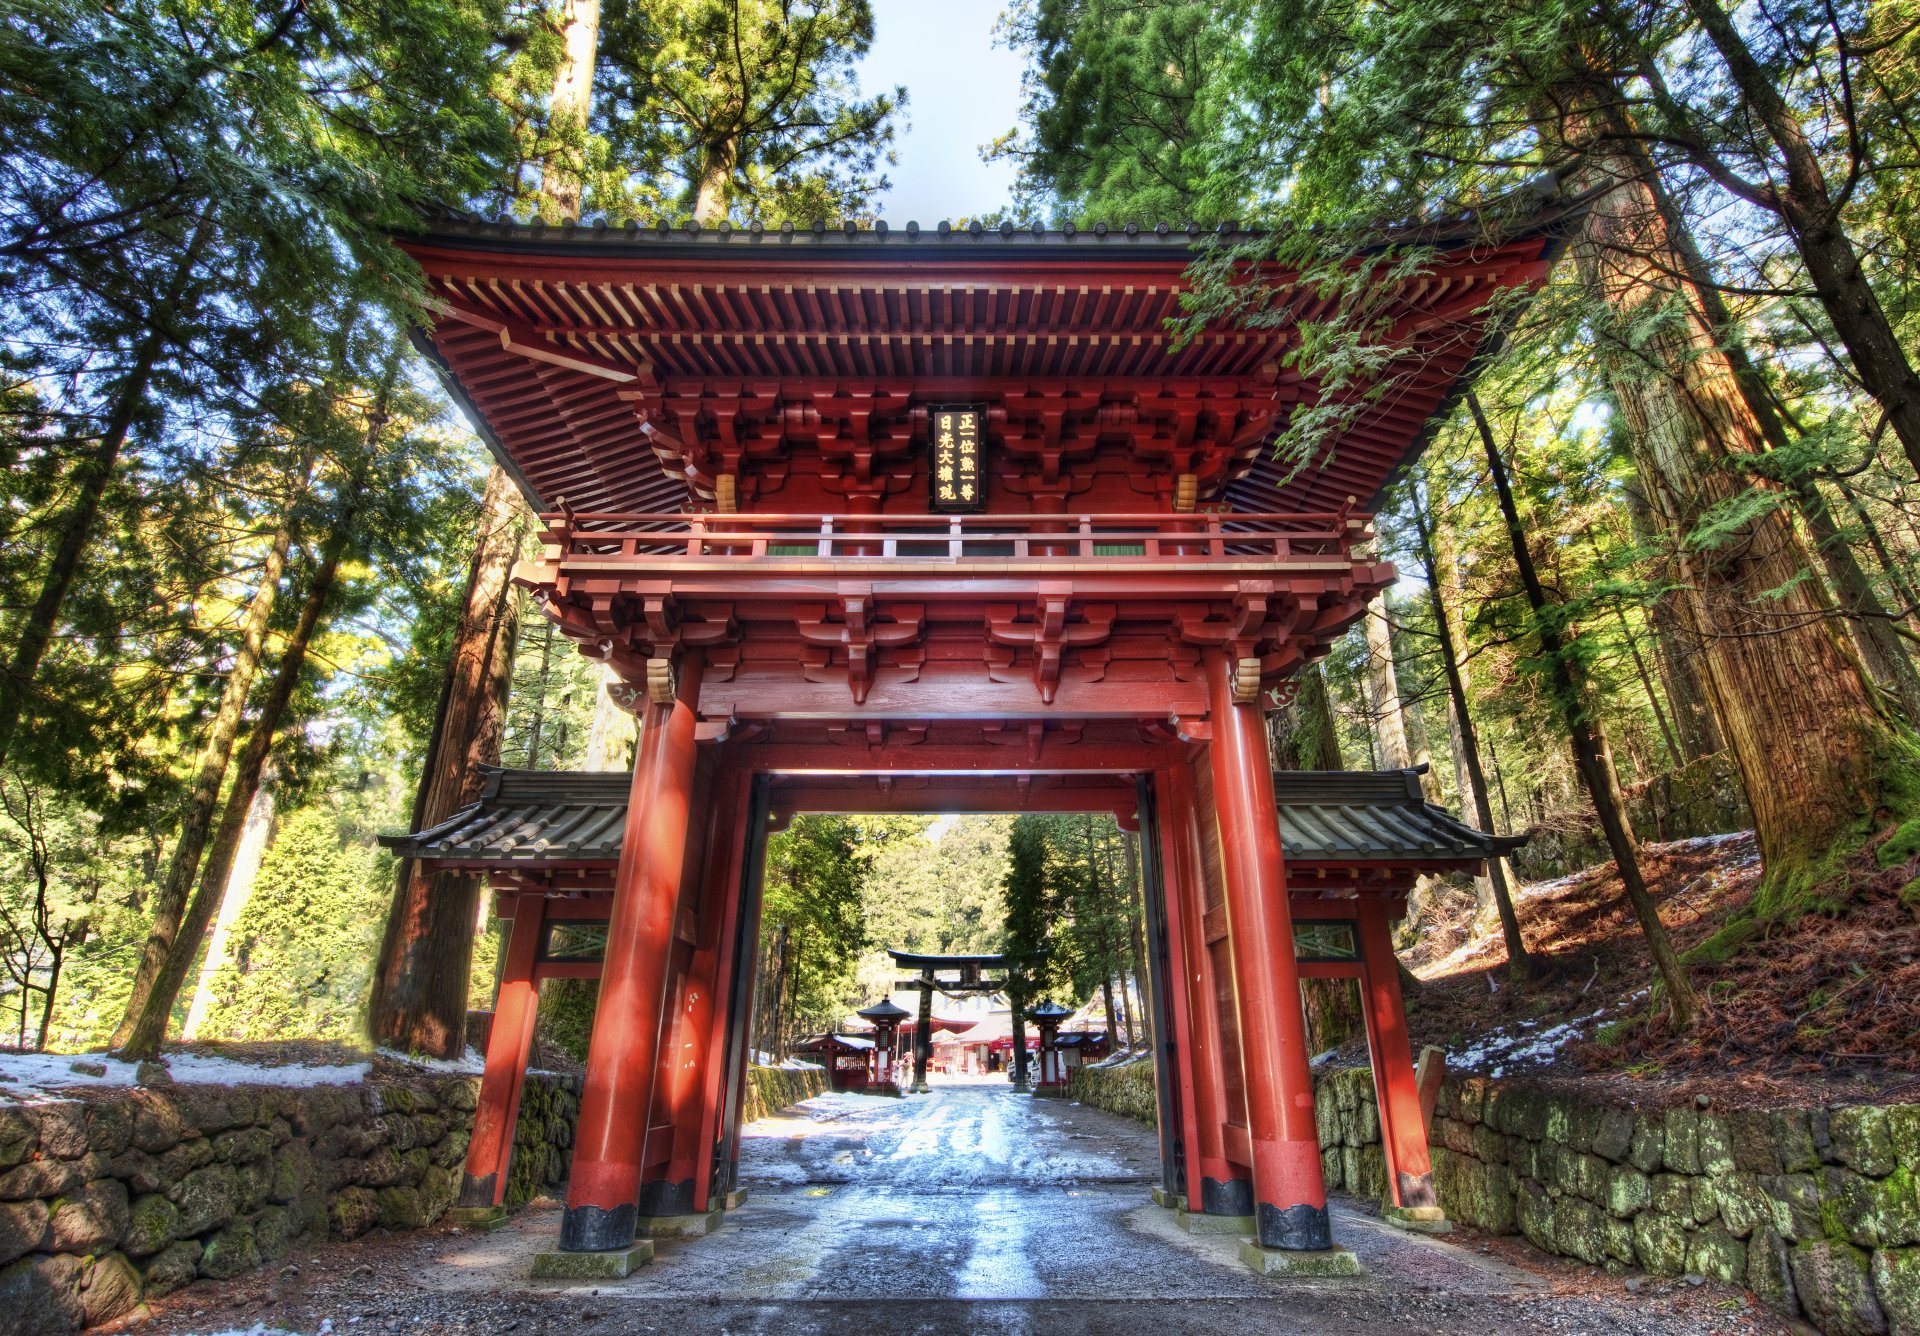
977	1209
972	1209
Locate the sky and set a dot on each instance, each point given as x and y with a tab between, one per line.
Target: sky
962	90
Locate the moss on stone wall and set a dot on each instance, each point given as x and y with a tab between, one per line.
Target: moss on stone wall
771	1089
1816	1211
1125	1089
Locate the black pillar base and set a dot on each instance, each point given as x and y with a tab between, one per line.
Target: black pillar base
1232	1197
1417	1190
1301	1228
476	1190
596	1229
660	1197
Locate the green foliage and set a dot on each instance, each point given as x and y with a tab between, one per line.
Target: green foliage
811	916
1121	108
304	943
753	103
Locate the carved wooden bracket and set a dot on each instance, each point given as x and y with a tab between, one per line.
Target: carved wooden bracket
859	635
1050	634
1246	681
662	682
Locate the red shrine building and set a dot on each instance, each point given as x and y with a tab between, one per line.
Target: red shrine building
940	521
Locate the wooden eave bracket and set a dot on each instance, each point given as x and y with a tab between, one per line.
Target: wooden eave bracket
531	344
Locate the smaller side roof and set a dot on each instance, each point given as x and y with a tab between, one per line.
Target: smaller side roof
529	818
1373	816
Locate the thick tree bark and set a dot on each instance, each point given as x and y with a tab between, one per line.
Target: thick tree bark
420	986
89	480
611	735
209	773
1820	764
1302	735
572	101
1473	787
1678	655
716	182
149	1029
1590	752
1389	727
254	835
1807	206
1880	646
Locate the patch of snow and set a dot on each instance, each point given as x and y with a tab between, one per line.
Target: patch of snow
1523	1044
796	1065
31	1074
470	1063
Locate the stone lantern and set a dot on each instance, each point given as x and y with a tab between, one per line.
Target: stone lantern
1053	1070
885	1018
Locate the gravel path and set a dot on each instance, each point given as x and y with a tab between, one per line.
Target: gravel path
969	1210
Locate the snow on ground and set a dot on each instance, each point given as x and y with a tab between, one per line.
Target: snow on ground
33	1074
470	1063
1524	1044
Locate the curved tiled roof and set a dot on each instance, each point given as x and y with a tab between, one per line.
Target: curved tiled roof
531	817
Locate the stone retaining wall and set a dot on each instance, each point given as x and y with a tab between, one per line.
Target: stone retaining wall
134	1193
1816	1211
771	1089
1126	1089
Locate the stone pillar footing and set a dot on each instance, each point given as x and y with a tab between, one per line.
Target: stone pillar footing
735	1199
477	1217
615	1265
1418	1219
1306	1265
1169	1200
920	1088
694	1226
1196	1223
1050	1092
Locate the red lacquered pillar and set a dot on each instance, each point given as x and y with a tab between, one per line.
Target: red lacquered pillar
1403	1132
604	1189
505	1074
1290	1198
726	859
1214	1185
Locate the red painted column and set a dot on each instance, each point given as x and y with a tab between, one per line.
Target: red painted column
1214	1185
726	859
603	1192
505	1075
1290	1198
1403	1132
1177	1012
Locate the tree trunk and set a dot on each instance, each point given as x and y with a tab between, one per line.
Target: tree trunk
233	900
1106	994
53	988
1678	655
1590	752
1820	764
716	183
419	999
1136	921
210	772
611	736
1880	646
572	101
149	1027
1389	727
89	479
1302	735
1467	741
1813	220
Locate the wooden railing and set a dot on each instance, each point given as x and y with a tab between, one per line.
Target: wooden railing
958	538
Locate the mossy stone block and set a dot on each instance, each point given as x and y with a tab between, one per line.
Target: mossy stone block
1660	1243
1896	1283
586	1266
1835	1287
1861	1140
1717	1255
1326	1263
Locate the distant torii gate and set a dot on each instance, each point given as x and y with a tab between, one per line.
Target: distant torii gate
944	521
968	977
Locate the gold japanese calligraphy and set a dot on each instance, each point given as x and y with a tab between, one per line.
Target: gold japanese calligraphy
956	435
